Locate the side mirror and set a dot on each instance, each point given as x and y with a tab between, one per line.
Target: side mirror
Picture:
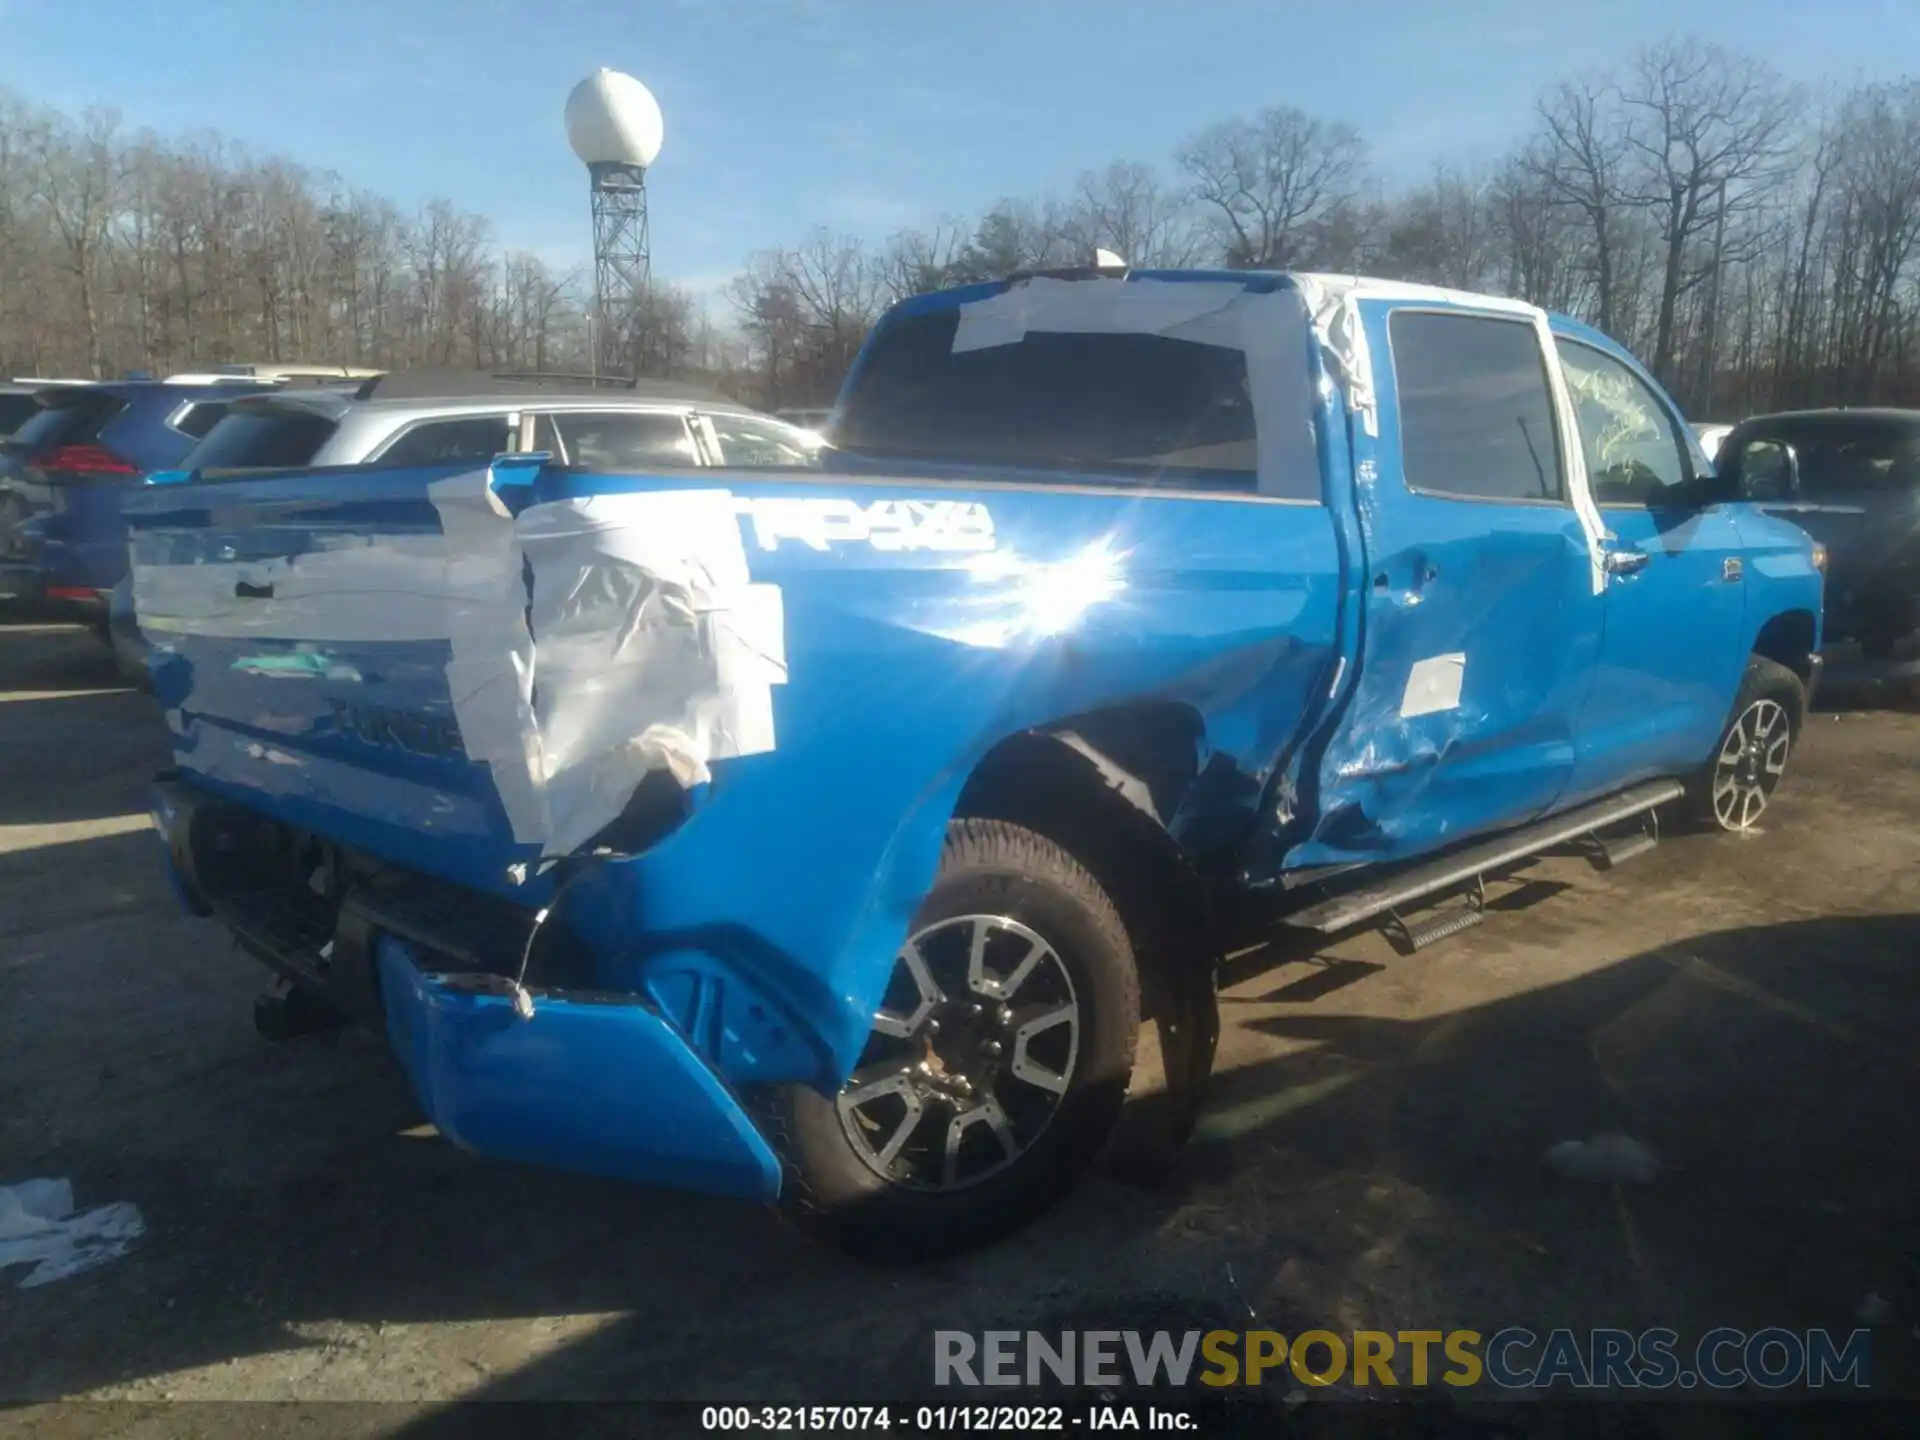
1768	470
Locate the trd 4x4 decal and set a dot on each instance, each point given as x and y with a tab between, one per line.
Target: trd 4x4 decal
889	525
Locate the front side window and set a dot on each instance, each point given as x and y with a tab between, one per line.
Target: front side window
472	439
619	441
1633	449
1476	416
1838	454
746	442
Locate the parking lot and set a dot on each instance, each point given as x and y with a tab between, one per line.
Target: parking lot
1371	1157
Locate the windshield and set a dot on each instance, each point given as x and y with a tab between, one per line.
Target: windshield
263	437
1144	405
1849	453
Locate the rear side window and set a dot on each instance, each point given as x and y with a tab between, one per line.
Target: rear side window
78	420
199	419
266	437
1139	406
624	440
1476	416
746	442
452	442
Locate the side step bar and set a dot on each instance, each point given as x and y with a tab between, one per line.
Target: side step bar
1342	911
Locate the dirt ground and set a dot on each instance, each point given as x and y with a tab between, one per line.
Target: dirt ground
1371	1157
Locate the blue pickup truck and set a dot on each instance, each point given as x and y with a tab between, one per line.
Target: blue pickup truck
829	836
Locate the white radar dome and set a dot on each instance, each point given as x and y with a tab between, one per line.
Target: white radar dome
613	119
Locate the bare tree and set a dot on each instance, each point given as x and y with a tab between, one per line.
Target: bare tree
1708	129
916	261
1579	160
1262	181
78	181
1445	232
1128	209
1680	200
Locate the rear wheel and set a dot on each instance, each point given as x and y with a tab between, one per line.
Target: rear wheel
1735	787
996	1066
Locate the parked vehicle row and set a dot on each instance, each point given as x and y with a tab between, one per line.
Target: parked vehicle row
823	830
65	469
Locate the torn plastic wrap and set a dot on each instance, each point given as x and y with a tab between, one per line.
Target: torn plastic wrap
650	650
591	640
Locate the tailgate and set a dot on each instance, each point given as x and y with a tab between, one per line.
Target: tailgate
354	652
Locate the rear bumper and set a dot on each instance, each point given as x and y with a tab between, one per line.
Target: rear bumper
32	582
600	1083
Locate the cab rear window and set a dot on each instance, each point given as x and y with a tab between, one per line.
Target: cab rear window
1141	407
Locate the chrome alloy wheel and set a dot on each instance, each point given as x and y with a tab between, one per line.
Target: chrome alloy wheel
971	1054
1752	760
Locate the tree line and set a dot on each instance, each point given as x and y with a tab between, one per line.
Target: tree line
1754	243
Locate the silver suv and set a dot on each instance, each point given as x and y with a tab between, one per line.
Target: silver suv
448	418
433	418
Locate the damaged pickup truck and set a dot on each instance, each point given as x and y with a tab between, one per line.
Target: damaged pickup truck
828	836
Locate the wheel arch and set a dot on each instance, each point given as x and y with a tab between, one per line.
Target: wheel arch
1789	638
1105	786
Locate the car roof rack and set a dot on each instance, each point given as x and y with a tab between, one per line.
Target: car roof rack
474	384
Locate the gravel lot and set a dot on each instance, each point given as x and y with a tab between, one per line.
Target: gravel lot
1371	1157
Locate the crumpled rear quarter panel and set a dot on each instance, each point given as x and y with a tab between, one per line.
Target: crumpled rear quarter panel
831	674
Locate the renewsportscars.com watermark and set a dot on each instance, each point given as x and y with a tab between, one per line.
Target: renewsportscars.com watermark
1514	1358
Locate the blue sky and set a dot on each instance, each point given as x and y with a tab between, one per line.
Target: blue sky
860	115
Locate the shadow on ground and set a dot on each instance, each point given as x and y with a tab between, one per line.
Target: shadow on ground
76	743
1385	1174
1370	1159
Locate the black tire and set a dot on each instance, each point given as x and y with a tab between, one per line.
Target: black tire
1734	788
988	868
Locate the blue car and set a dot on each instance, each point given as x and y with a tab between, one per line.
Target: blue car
826	834
64	472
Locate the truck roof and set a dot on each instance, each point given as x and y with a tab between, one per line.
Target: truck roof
1323	289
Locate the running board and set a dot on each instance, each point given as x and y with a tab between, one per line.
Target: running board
1343	911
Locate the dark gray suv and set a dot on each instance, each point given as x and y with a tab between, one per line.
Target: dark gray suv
1850	479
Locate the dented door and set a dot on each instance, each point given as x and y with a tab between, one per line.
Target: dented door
1481	621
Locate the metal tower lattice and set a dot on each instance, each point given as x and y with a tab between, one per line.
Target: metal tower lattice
622	260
